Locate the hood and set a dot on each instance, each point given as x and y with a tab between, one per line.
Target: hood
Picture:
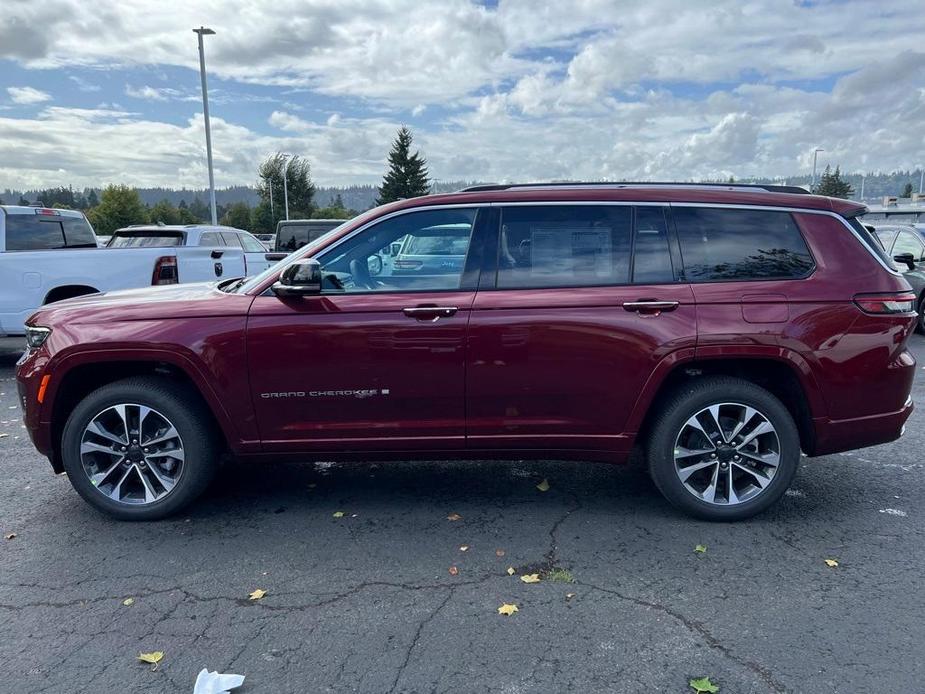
177	301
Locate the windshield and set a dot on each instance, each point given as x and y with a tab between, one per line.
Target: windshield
257	280
145	239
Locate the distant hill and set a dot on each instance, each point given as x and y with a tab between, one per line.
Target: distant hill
363	197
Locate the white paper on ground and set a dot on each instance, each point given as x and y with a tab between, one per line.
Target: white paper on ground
216	683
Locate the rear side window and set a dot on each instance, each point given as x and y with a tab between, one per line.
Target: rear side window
651	253
211	238
564	246
726	244
26	232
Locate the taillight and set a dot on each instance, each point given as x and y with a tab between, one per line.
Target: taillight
880	304
407	264
165	270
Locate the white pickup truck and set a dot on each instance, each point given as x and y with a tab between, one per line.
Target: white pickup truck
47	255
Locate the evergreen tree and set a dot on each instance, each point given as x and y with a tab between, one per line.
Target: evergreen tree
299	186
833	185
92	199
407	175
907	191
164	213
238	215
200	210
119	207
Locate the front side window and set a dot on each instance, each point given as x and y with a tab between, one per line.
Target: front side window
564	246
735	244
33	233
251	244
907	242
417	251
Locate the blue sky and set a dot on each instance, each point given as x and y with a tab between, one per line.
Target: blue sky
494	91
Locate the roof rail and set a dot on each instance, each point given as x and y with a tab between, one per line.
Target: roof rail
767	187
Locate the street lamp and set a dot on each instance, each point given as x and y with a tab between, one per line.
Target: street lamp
203	31
815	154
285	184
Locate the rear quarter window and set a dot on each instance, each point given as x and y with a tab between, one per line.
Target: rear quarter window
733	244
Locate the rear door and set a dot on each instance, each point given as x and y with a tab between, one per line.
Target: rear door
572	324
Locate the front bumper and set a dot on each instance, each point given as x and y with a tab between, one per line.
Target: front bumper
29	371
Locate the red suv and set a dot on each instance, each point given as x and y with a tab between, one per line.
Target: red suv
722	329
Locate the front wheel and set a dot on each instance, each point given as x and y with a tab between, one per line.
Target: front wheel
140	449
723	448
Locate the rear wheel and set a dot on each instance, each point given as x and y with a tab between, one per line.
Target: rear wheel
140	449
723	448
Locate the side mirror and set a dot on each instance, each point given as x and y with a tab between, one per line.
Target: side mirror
301	278
374	263
906	258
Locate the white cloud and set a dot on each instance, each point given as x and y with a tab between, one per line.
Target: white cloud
27	95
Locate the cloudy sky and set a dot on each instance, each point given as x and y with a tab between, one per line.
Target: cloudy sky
93	93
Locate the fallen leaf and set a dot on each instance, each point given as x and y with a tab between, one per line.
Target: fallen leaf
530	578
454	517
454	571
499	552
9	536
464	548
257	594
703	685
511	571
832	563
543	486
507	610
3	436
338	514
569	596
128	602
701	549
154	658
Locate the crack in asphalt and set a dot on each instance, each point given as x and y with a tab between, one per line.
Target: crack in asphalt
417	635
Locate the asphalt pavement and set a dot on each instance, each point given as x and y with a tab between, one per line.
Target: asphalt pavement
366	602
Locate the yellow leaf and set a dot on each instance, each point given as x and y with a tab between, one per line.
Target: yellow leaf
511	571
832	563
257	594
464	548
128	602
701	549
507	609
454	571
543	486
454	517
530	578
154	658
569	596
338	514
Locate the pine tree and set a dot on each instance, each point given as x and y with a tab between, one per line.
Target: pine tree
833	185
907	191
407	175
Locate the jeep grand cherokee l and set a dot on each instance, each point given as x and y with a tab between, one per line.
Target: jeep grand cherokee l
723	329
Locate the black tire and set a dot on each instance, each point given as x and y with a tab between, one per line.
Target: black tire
920	323
691	398
184	409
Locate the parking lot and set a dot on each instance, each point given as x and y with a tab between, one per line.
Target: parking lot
367	601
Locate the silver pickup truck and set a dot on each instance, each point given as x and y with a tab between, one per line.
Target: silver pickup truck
48	255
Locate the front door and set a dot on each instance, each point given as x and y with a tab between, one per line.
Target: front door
375	362
586	305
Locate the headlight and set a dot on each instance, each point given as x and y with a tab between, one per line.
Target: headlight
36	336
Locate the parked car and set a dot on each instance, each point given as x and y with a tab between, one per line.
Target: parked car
905	244
436	251
220	239
102	241
293	234
47	255
722	329
267	240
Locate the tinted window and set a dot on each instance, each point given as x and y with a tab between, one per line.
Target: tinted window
651	254
564	246
78	232
907	242
290	237
871	241
141	239
33	233
722	244
364	263
211	238
251	244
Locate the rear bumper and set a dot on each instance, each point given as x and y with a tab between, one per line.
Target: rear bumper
835	436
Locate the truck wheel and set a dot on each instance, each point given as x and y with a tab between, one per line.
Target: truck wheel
140	449
723	449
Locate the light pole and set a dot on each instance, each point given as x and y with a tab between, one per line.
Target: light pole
203	31
815	154
921	177
863	178
285	184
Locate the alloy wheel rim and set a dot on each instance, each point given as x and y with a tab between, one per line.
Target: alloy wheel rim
727	453
132	454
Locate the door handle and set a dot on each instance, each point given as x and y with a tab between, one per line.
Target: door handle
430	313
650	307
217	254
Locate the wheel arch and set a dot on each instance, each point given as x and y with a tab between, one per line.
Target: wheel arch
68	291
